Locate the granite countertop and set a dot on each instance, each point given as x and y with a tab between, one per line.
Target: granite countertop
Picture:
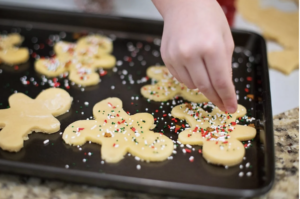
286	130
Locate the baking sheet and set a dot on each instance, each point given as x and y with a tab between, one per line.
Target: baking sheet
134	52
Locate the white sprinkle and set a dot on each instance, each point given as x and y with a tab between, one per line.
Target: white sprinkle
138	167
89	153
102	162
241	174
191	158
241	166
83	160
188	146
46	141
249	174
86	103
67	166
112	87
137	158
183	151
247	165
170	158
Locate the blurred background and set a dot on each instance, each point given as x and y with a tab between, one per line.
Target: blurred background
281	84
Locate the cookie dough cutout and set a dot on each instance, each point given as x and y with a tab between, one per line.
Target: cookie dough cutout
14	55
64	48
26	115
279	26
84	76
52	67
287	58
80	59
8	41
104	61
100	44
167	87
217	131
119	133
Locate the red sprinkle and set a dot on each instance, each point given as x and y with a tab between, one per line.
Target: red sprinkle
247	90
200	151
249	79
225	142
133	129
102	73
80	129
183	125
164	115
188	150
195	130
16	67
105	121
233	123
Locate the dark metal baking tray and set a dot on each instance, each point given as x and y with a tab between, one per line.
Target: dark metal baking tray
178	176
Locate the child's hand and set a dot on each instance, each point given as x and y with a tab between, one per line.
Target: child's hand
197	47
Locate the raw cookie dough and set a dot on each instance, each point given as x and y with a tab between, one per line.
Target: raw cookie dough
81	59
26	115
216	131
119	133
167	87
100	43
52	67
282	27
84	76
9	53
13	55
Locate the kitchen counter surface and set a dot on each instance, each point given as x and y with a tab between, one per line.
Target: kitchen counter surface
286	131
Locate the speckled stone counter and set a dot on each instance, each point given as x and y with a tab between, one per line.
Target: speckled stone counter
286	130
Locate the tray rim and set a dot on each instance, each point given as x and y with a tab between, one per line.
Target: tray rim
157	186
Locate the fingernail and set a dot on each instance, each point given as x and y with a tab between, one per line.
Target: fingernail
231	109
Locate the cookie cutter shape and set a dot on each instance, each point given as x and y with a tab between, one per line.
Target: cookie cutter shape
119	133
9	53
217	131
167	87
26	115
101	44
81	61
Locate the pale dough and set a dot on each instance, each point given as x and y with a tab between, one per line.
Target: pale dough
26	115
13	55
119	133
52	67
80	59
167	87
100	44
216	131
9	53
276	25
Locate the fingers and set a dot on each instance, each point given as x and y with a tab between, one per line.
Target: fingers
220	76
201	80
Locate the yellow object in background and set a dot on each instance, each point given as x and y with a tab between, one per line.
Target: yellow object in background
281	27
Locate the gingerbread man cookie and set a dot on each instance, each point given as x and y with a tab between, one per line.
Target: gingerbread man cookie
217	131
81	59
167	87
9	53
26	115
119	133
